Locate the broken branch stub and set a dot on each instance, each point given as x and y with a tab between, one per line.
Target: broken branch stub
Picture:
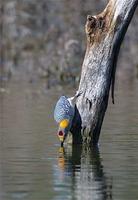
105	33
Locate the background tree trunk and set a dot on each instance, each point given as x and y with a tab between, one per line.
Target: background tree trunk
105	33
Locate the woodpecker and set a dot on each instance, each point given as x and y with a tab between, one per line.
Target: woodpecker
63	115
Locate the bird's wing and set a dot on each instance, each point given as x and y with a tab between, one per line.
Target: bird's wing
63	109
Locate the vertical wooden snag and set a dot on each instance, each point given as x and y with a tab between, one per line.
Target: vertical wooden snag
105	33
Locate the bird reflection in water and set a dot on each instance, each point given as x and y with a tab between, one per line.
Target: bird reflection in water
61	159
83	174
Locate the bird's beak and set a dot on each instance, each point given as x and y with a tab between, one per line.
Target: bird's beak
61	138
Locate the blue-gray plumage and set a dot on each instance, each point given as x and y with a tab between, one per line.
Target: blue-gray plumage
63	115
63	109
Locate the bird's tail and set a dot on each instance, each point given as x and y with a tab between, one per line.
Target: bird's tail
73	99
78	93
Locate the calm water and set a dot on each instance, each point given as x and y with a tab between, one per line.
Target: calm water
32	165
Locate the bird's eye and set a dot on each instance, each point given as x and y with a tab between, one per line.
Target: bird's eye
60	133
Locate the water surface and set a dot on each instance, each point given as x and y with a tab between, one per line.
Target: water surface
34	167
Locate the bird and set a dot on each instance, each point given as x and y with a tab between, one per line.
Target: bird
63	114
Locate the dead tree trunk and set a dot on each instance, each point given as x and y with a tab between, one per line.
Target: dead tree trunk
105	33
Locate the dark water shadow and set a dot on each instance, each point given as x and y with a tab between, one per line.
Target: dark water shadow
82	168
76	127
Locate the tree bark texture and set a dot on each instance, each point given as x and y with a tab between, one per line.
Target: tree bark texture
105	33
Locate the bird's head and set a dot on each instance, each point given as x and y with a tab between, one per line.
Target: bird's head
63	130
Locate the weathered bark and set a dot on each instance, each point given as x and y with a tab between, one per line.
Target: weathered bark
105	33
